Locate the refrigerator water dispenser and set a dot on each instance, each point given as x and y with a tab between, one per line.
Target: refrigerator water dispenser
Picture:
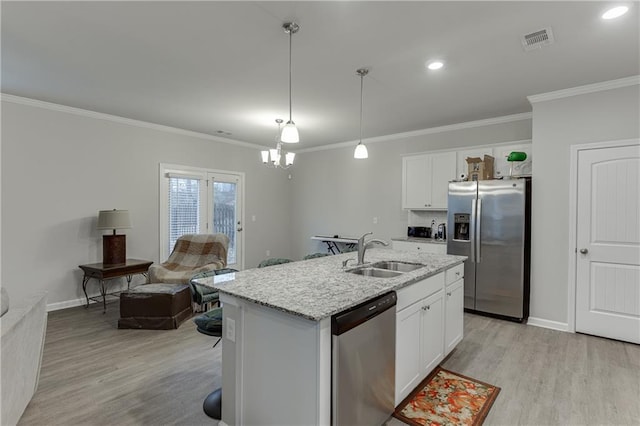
461	226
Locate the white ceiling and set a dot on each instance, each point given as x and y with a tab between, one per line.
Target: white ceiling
210	66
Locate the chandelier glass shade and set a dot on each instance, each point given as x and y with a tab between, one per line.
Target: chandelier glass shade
273	157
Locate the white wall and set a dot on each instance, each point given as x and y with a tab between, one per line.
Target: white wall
557	124
59	169
335	194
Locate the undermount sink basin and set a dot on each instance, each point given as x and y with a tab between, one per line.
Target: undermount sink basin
393	265
373	272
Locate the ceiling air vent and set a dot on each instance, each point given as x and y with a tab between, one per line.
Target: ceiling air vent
537	39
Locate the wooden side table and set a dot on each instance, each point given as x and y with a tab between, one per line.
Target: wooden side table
105	273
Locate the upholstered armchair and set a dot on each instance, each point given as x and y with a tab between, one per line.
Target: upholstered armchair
192	254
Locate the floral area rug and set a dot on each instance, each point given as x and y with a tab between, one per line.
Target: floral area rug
447	398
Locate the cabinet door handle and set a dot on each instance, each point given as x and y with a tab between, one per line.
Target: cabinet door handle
424	308
448	294
458	273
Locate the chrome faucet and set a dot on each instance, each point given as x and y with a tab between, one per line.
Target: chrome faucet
362	246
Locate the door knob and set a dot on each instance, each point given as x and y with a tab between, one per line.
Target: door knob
584	251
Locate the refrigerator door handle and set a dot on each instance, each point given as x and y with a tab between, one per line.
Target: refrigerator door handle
472	231
478	230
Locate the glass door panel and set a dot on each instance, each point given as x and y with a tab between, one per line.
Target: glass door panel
225	215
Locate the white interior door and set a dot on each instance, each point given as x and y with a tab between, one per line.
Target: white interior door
225	213
608	243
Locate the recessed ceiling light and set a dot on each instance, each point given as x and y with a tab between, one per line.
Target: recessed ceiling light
615	12
435	65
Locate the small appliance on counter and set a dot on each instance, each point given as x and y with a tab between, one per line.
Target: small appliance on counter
441	234
419	232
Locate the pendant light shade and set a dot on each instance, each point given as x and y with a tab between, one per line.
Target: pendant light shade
361	150
290	132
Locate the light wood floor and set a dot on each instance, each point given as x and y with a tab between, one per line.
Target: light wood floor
95	374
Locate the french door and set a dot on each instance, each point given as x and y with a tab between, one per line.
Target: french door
608	242
225	212
200	201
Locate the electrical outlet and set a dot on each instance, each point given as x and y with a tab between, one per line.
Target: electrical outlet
268	253
375	220
231	329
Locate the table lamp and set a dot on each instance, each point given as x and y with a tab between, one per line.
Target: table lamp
114	247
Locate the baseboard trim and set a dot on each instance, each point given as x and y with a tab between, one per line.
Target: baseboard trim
67	304
553	325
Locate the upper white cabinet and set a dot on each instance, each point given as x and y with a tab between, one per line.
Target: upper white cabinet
425	180
426	177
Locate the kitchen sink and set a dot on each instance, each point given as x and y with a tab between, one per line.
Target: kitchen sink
393	265
373	272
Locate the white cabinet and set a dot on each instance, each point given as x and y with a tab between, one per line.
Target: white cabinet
425	247
425	180
408	371
419	332
432	331
453	307
454	315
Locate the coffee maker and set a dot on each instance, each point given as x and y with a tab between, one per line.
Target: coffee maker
441	233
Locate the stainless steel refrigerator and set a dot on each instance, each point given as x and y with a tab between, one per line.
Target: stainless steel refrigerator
489	221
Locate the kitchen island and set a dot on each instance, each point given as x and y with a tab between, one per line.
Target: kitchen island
276	352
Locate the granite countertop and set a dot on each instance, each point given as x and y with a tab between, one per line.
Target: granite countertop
318	288
420	240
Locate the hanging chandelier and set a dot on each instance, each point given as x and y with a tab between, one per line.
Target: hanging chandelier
290	131
361	149
273	157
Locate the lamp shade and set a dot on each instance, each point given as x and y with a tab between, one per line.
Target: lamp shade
361	152
114	219
290	133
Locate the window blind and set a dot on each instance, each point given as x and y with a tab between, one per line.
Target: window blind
184	208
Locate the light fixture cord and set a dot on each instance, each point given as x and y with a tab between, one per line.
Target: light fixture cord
290	48
361	95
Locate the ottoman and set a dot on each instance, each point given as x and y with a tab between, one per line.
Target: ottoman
155	306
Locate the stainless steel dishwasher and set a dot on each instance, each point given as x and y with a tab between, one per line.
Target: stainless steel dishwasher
363	363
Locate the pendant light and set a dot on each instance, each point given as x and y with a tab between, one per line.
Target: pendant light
361	149
290	132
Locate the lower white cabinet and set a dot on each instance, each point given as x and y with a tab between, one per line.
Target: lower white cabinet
426	247
454	315
432	332
408	342
419	333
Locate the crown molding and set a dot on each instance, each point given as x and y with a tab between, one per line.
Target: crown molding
583	90
122	120
168	129
422	132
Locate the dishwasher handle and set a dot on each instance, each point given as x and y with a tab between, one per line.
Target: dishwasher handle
353	317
